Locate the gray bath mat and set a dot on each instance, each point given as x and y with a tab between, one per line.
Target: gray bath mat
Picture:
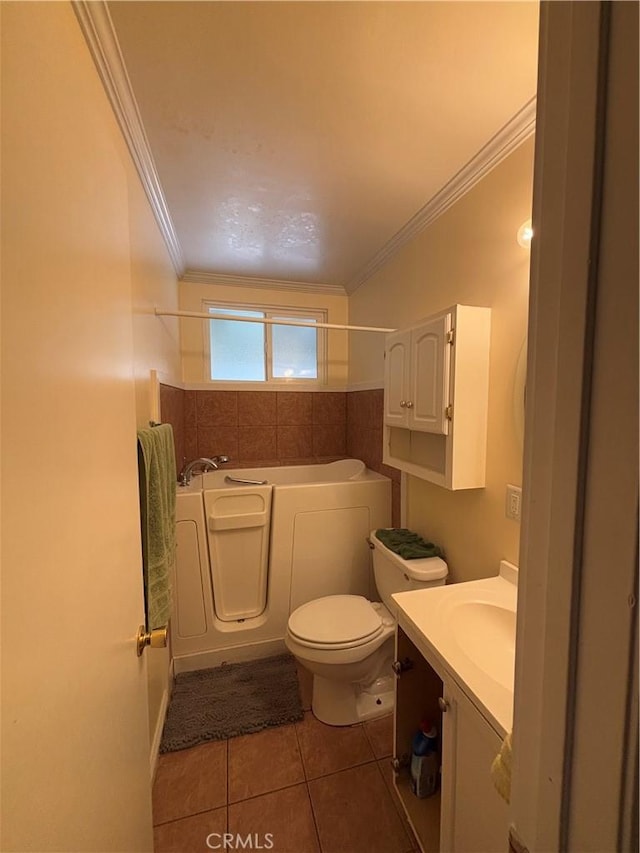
230	700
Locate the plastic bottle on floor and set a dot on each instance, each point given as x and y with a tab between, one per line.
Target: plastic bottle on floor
425	761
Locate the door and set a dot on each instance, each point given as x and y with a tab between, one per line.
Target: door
429	372
396	378
474	816
75	758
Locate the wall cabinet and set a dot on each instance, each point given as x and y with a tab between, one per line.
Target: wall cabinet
417	377
467	813
435	397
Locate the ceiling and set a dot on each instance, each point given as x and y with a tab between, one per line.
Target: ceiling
293	140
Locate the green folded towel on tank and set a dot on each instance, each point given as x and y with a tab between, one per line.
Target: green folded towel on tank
407	544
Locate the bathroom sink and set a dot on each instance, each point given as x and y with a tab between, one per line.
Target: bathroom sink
486	634
468	631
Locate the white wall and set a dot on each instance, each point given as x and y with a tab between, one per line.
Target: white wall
470	256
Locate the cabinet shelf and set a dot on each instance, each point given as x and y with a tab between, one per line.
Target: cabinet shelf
423	815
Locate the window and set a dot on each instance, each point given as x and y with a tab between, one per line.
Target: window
265	352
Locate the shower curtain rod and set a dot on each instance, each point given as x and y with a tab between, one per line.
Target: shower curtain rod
198	315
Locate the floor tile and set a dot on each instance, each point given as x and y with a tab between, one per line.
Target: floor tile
190	781
305	682
326	749
282	819
354	813
190	834
264	762
380	734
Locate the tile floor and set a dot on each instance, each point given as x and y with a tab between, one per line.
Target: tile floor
302	788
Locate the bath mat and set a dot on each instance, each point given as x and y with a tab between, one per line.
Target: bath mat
230	700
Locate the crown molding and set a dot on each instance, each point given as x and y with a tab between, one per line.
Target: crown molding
507	139
98	30
201	277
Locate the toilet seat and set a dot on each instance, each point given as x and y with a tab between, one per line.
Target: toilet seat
336	622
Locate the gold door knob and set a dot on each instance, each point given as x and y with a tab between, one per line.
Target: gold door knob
157	639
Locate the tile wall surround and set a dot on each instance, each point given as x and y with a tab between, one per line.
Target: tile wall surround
270	428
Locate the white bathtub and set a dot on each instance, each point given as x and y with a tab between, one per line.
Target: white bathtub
249	554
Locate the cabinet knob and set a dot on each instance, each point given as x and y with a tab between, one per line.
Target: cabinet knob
409	404
443	704
403	403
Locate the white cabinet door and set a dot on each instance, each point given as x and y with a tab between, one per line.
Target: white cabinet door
428	394
396	378
474	816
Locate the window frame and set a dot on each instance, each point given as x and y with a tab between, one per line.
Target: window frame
270	311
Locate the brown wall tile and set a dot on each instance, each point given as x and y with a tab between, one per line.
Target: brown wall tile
365	414
190	446
294	408
218	441
256	442
294	442
190	419
256	408
172	412
330	407
217	408
329	440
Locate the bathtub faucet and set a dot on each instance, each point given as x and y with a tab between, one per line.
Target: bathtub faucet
204	463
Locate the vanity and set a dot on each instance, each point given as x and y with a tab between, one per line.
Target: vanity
455	652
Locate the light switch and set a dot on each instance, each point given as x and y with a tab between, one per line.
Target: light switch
514	502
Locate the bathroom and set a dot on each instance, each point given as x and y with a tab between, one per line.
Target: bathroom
81	337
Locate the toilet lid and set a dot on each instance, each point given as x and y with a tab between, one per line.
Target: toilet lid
335	619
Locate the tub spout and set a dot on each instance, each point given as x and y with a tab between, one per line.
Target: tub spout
203	462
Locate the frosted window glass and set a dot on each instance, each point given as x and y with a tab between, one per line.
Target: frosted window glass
237	349
294	350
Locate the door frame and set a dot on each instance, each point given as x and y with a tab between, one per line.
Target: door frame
577	574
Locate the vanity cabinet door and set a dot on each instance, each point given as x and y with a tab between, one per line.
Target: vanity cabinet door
474	816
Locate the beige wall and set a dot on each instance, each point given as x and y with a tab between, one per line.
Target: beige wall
192	331
153	283
155	347
469	256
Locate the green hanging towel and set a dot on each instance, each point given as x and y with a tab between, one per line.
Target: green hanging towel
157	476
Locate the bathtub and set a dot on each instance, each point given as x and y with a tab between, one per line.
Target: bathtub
249	553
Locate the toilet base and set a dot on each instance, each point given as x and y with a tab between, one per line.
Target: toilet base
339	703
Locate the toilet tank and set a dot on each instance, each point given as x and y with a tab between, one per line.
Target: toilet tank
393	574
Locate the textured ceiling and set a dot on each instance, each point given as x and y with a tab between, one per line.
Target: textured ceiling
294	140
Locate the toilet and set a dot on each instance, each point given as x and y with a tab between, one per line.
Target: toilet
347	641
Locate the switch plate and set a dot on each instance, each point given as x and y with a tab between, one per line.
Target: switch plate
513	502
